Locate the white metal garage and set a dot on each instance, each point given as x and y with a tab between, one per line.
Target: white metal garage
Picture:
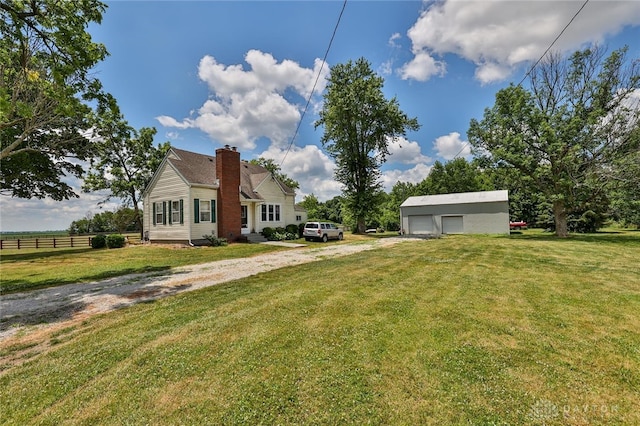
485	212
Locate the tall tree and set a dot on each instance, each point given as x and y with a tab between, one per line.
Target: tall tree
125	160
389	217
624	184
275	170
46	58
457	175
577	117
358	124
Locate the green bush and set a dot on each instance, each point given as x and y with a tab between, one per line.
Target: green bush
115	241
99	241
215	241
292	229
267	231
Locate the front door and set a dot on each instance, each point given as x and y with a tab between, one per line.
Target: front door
244	219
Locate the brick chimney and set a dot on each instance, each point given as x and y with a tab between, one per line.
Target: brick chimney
228	173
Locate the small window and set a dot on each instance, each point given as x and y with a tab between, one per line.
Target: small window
205	211
159	213
175	212
298	218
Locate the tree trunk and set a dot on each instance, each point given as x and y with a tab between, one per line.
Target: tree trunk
361	226
560	219
139	220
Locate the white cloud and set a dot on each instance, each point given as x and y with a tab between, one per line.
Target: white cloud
393	38
311	167
498	36
404	151
422	67
245	105
18	214
450	145
415	174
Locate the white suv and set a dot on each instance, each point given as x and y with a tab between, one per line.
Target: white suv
322	231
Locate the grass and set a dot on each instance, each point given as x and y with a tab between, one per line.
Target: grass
29	269
462	330
37	268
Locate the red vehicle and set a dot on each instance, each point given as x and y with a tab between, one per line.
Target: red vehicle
518	225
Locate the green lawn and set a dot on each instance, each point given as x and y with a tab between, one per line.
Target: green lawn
37	268
462	330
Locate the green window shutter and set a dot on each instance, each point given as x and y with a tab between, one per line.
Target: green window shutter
164	212
181	212
154	213
170	221
196	210
213	210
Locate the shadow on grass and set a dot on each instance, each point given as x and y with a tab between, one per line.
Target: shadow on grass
53	305
631	238
42	254
60	312
14	286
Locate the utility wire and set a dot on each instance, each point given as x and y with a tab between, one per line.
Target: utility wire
324	60
553	42
539	59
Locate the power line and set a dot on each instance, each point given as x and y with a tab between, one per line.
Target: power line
324	60
553	42
539	59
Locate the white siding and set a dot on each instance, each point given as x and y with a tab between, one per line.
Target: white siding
168	187
272	193
203	228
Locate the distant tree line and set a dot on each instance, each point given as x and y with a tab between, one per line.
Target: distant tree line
118	221
460	175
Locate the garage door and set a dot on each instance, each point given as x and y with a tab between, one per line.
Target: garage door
421	224
452	225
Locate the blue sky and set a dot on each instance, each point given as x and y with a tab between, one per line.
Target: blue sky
210	73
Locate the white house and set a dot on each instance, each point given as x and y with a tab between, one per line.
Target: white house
192	195
485	212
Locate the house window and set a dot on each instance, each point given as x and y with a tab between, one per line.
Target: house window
298	218
270	212
158	213
204	210
175	212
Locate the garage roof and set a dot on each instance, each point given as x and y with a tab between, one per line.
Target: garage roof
458	198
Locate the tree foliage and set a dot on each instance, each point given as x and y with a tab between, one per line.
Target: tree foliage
46	56
125	159
457	175
576	120
120	220
275	170
358	124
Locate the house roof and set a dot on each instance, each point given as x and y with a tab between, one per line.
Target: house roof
457	198
195	168
200	169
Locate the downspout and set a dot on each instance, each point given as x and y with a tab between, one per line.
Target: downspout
189	219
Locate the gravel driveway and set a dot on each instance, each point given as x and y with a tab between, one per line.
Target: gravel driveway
56	306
